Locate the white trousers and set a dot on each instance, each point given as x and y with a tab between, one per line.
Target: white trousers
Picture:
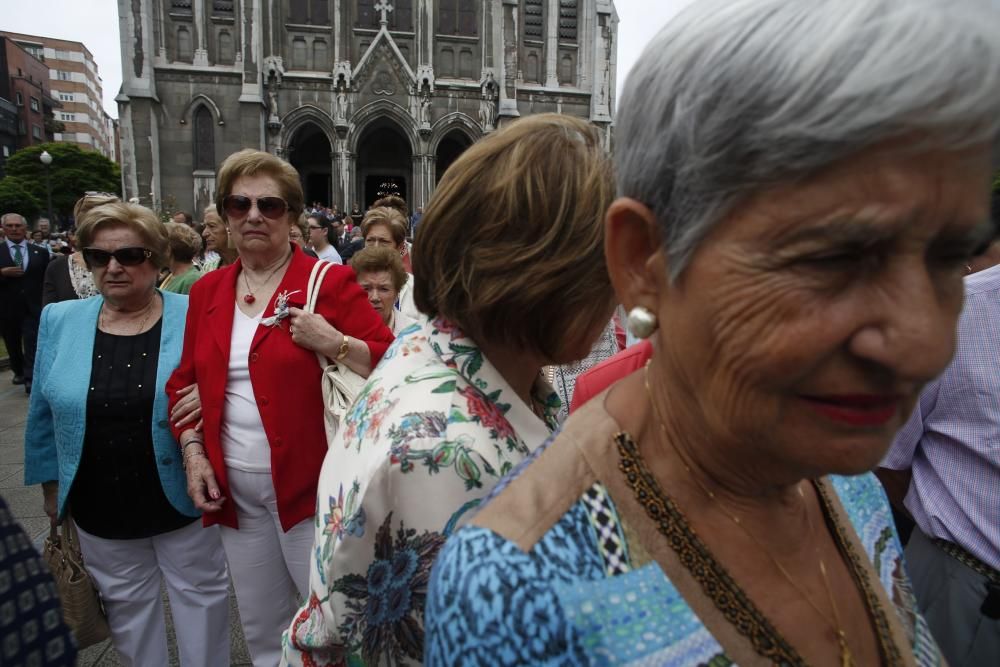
191	563
267	564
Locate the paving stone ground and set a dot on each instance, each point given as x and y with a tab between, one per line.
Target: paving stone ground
26	505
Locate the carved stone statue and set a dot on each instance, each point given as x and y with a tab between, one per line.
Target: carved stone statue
341	111
488	104
425	110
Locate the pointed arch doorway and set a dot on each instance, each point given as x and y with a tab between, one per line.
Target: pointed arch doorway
309	152
384	162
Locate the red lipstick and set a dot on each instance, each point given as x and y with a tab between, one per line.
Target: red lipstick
855	409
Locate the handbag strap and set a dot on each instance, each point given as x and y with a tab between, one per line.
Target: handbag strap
313	287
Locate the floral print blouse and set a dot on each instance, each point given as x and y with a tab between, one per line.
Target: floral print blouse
428	437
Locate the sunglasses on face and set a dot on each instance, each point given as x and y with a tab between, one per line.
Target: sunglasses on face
238	206
95	257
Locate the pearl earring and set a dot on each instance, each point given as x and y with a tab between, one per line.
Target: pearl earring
642	322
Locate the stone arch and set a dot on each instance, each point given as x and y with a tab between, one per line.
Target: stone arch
381	110
454	121
202	99
295	119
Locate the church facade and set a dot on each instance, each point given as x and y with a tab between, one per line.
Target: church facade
359	95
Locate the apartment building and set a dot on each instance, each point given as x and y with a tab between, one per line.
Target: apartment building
24	85
76	85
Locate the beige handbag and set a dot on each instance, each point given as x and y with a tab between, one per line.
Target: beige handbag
340	383
81	603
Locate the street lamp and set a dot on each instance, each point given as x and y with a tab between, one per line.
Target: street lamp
47	161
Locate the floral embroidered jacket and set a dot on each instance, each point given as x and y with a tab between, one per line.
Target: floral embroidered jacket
429	436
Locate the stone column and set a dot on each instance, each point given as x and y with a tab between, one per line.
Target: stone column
552	45
200	51
509	65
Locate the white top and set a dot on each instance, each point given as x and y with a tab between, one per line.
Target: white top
244	443
404	303
399	322
329	254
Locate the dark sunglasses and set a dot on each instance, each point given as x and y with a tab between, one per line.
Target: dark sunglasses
238	206
124	256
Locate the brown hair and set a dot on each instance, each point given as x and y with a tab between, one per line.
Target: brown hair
92	200
250	162
373	260
132	216
393	201
511	245
185	243
390	217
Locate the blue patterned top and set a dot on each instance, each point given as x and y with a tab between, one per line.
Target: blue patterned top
579	596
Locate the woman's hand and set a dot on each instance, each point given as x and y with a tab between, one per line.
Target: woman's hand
188	407
201	484
313	332
50	490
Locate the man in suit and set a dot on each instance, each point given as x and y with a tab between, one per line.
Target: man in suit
22	272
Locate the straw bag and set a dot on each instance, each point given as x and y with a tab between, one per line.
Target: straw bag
340	383
81	603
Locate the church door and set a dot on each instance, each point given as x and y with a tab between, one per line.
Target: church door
385	163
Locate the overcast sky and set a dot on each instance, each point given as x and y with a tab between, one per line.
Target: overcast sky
95	23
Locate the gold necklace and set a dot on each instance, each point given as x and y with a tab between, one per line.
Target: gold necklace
249	298
148	308
846	658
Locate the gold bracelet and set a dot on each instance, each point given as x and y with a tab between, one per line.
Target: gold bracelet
344	349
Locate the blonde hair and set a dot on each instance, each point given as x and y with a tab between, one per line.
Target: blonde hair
92	200
512	241
131	216
374	260
390	217
184	242
392	201
250	162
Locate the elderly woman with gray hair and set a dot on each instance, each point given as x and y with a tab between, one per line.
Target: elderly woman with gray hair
801	186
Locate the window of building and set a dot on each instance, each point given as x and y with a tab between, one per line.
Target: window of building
36	131
223	7
320	60
312	12
34	104
532	73
447	62
566	69
401	18
66	97
465	64
567	20
299	53
19	99
457	17
204	139
67	117
184	51
64	76
180	6
534	20
298	11
225	48
366	16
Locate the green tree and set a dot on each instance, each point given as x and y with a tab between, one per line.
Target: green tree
15	199
73	172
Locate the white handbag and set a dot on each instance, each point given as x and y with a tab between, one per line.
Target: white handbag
340	383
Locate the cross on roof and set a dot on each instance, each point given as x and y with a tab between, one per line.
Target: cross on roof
383	7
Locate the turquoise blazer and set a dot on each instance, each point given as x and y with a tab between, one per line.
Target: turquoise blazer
57	416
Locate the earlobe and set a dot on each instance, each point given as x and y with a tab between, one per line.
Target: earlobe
634	253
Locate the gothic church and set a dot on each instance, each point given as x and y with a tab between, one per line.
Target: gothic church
354	93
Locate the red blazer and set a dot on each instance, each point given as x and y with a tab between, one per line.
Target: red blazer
285	377
592	382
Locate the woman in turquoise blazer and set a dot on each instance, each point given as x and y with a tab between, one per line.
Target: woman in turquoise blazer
98	439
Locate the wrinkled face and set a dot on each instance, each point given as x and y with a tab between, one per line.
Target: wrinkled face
215	234
295	236
808	321
119	283
253	232
381	292
380	235
43	226
15	228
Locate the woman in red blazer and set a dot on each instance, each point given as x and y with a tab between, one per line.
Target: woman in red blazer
254	467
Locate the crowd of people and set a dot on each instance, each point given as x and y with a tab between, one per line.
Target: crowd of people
750	310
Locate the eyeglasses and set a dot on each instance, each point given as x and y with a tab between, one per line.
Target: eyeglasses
238	206
312	227
124	256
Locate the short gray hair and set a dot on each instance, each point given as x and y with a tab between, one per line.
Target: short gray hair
733	96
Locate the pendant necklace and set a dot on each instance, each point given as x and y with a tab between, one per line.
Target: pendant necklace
846	658
249	298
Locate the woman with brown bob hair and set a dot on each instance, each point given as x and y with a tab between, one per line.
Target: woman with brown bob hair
385	227
253	352
381	275
460	399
